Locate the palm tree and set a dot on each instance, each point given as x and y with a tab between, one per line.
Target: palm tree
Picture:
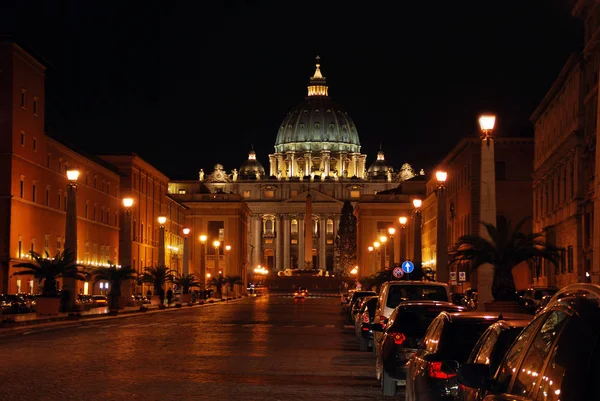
505	249
49	270
217	283
233	280
185	281
115	276
157	276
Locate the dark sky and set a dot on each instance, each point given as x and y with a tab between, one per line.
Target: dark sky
195	83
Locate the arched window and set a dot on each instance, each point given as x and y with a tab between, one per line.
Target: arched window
294	226
269	226
329	226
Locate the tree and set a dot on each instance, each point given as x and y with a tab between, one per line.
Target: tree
217	283
345	240
115	276
49	270
157	276
185	281
505	249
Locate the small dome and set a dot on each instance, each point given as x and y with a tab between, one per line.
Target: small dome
379	168
251	167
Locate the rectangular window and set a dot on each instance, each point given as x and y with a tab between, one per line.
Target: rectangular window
35	106
563	262
570	258
21	188
59	200
269	194
142	233
33	192
86	210
20	254
22	138
47	196
215	231
294	192
65	203
47	244
94	213
23	98
246	194
48	160
181	191
58	244
355	194
34	144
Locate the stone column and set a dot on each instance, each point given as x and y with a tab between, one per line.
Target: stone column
322	242
278	241
257	241
280	164
292	164
325	162
272	165
354	170
286	242
307	163
301	242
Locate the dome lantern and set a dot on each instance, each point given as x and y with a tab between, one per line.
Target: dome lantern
318	84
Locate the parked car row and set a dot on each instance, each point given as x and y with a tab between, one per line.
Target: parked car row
427	348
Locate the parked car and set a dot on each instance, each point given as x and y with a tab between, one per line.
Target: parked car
405	330
490	350
394	292
533	296
363	320
355	296
555	357
356	305
99	300
432	369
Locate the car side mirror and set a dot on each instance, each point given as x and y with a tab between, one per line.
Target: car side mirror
476	375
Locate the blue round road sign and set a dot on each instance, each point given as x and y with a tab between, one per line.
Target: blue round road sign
398	272
408	266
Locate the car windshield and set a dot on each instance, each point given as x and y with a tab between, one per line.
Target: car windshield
400	293
459	338
414	322
539	294
359	294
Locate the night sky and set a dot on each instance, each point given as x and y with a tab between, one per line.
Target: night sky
187	87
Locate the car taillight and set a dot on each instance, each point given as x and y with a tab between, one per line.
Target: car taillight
397	337
434	370
383	321
365	317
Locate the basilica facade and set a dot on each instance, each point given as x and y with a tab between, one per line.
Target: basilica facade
295	204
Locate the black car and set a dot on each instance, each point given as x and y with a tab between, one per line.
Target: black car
490	350
356	295
365	317
405	330
556	357
432	369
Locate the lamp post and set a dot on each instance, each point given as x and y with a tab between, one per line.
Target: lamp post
216	244
441	258
383	239
418	272
402	220
70	284
391	232
186	251
487	204
161	240
227	258
203	275
125	249
370	248
376	245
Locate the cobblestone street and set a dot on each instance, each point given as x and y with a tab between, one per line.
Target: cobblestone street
266	348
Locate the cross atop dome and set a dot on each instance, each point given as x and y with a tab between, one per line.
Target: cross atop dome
318	84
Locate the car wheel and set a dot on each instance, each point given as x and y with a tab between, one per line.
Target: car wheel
388	385
364	344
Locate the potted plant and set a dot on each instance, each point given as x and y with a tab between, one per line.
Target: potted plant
186	281
504	250
157	276
115	276
49	270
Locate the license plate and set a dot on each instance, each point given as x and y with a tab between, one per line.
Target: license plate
401	382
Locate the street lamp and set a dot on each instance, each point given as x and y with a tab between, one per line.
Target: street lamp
383	239
161	240
125	248
227	253
203	274
484	274
370	248
216	244
402	220
417	242
391	232
377	245
186	255
441	258
70	284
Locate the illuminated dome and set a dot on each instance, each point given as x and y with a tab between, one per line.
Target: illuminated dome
251	167
317	123
379	168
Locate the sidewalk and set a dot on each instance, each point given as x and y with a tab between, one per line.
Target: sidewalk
93	314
